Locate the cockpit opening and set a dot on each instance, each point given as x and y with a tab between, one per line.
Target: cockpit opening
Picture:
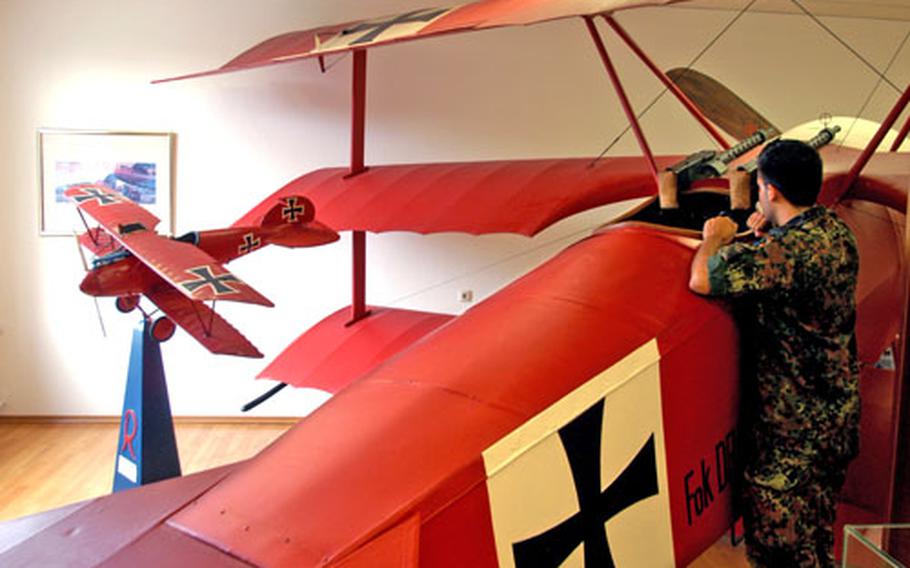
128	228
694	208
110	258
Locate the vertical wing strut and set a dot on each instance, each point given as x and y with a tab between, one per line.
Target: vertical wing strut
623	98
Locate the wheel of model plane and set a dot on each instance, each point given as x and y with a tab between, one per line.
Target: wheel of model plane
126	304
162	329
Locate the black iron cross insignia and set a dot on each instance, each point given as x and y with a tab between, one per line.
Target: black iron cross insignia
581	441
207	278
90	193
250	243
292	210
375	29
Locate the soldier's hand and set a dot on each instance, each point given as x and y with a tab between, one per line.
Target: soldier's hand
719	229
758	223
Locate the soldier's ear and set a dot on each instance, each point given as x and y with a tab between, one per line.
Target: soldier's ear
774	194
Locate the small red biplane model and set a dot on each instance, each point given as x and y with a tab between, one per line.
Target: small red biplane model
585	415
180	275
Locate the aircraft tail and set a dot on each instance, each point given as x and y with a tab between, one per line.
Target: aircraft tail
294	224
290	210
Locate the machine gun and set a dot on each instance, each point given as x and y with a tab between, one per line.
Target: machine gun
701	165
823	138
709	164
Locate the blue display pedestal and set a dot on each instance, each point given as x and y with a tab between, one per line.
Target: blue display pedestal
147	449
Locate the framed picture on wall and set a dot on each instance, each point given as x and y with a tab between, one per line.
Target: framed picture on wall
139	165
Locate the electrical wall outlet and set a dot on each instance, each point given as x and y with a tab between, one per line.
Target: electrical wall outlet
466	296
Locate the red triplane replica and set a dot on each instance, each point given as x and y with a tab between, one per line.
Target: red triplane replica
585	415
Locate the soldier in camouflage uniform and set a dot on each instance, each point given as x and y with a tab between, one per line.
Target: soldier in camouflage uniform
799	281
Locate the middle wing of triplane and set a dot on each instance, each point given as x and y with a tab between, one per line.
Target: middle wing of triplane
514	196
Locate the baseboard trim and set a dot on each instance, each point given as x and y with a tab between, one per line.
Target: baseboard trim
178	420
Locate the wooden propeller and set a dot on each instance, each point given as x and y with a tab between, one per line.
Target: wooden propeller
721	105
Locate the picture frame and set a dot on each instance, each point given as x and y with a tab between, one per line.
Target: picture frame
139	165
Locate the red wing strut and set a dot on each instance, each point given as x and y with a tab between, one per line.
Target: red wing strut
98	241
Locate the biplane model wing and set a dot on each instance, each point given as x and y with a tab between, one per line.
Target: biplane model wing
112	210
187	268
201	322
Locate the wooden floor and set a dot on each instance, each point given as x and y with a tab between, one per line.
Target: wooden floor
44	466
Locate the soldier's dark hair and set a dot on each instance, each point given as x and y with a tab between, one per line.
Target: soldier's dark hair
794	168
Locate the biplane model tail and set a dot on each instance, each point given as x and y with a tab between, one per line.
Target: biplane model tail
292	223
179	275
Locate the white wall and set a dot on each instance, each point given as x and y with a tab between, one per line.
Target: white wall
529	92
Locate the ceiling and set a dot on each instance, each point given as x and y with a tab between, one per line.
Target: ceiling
872	9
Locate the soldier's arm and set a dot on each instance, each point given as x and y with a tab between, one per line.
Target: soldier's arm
716	233
742	268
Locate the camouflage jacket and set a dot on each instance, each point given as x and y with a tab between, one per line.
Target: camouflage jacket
800	281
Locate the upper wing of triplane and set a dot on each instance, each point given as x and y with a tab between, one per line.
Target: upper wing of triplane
416	24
